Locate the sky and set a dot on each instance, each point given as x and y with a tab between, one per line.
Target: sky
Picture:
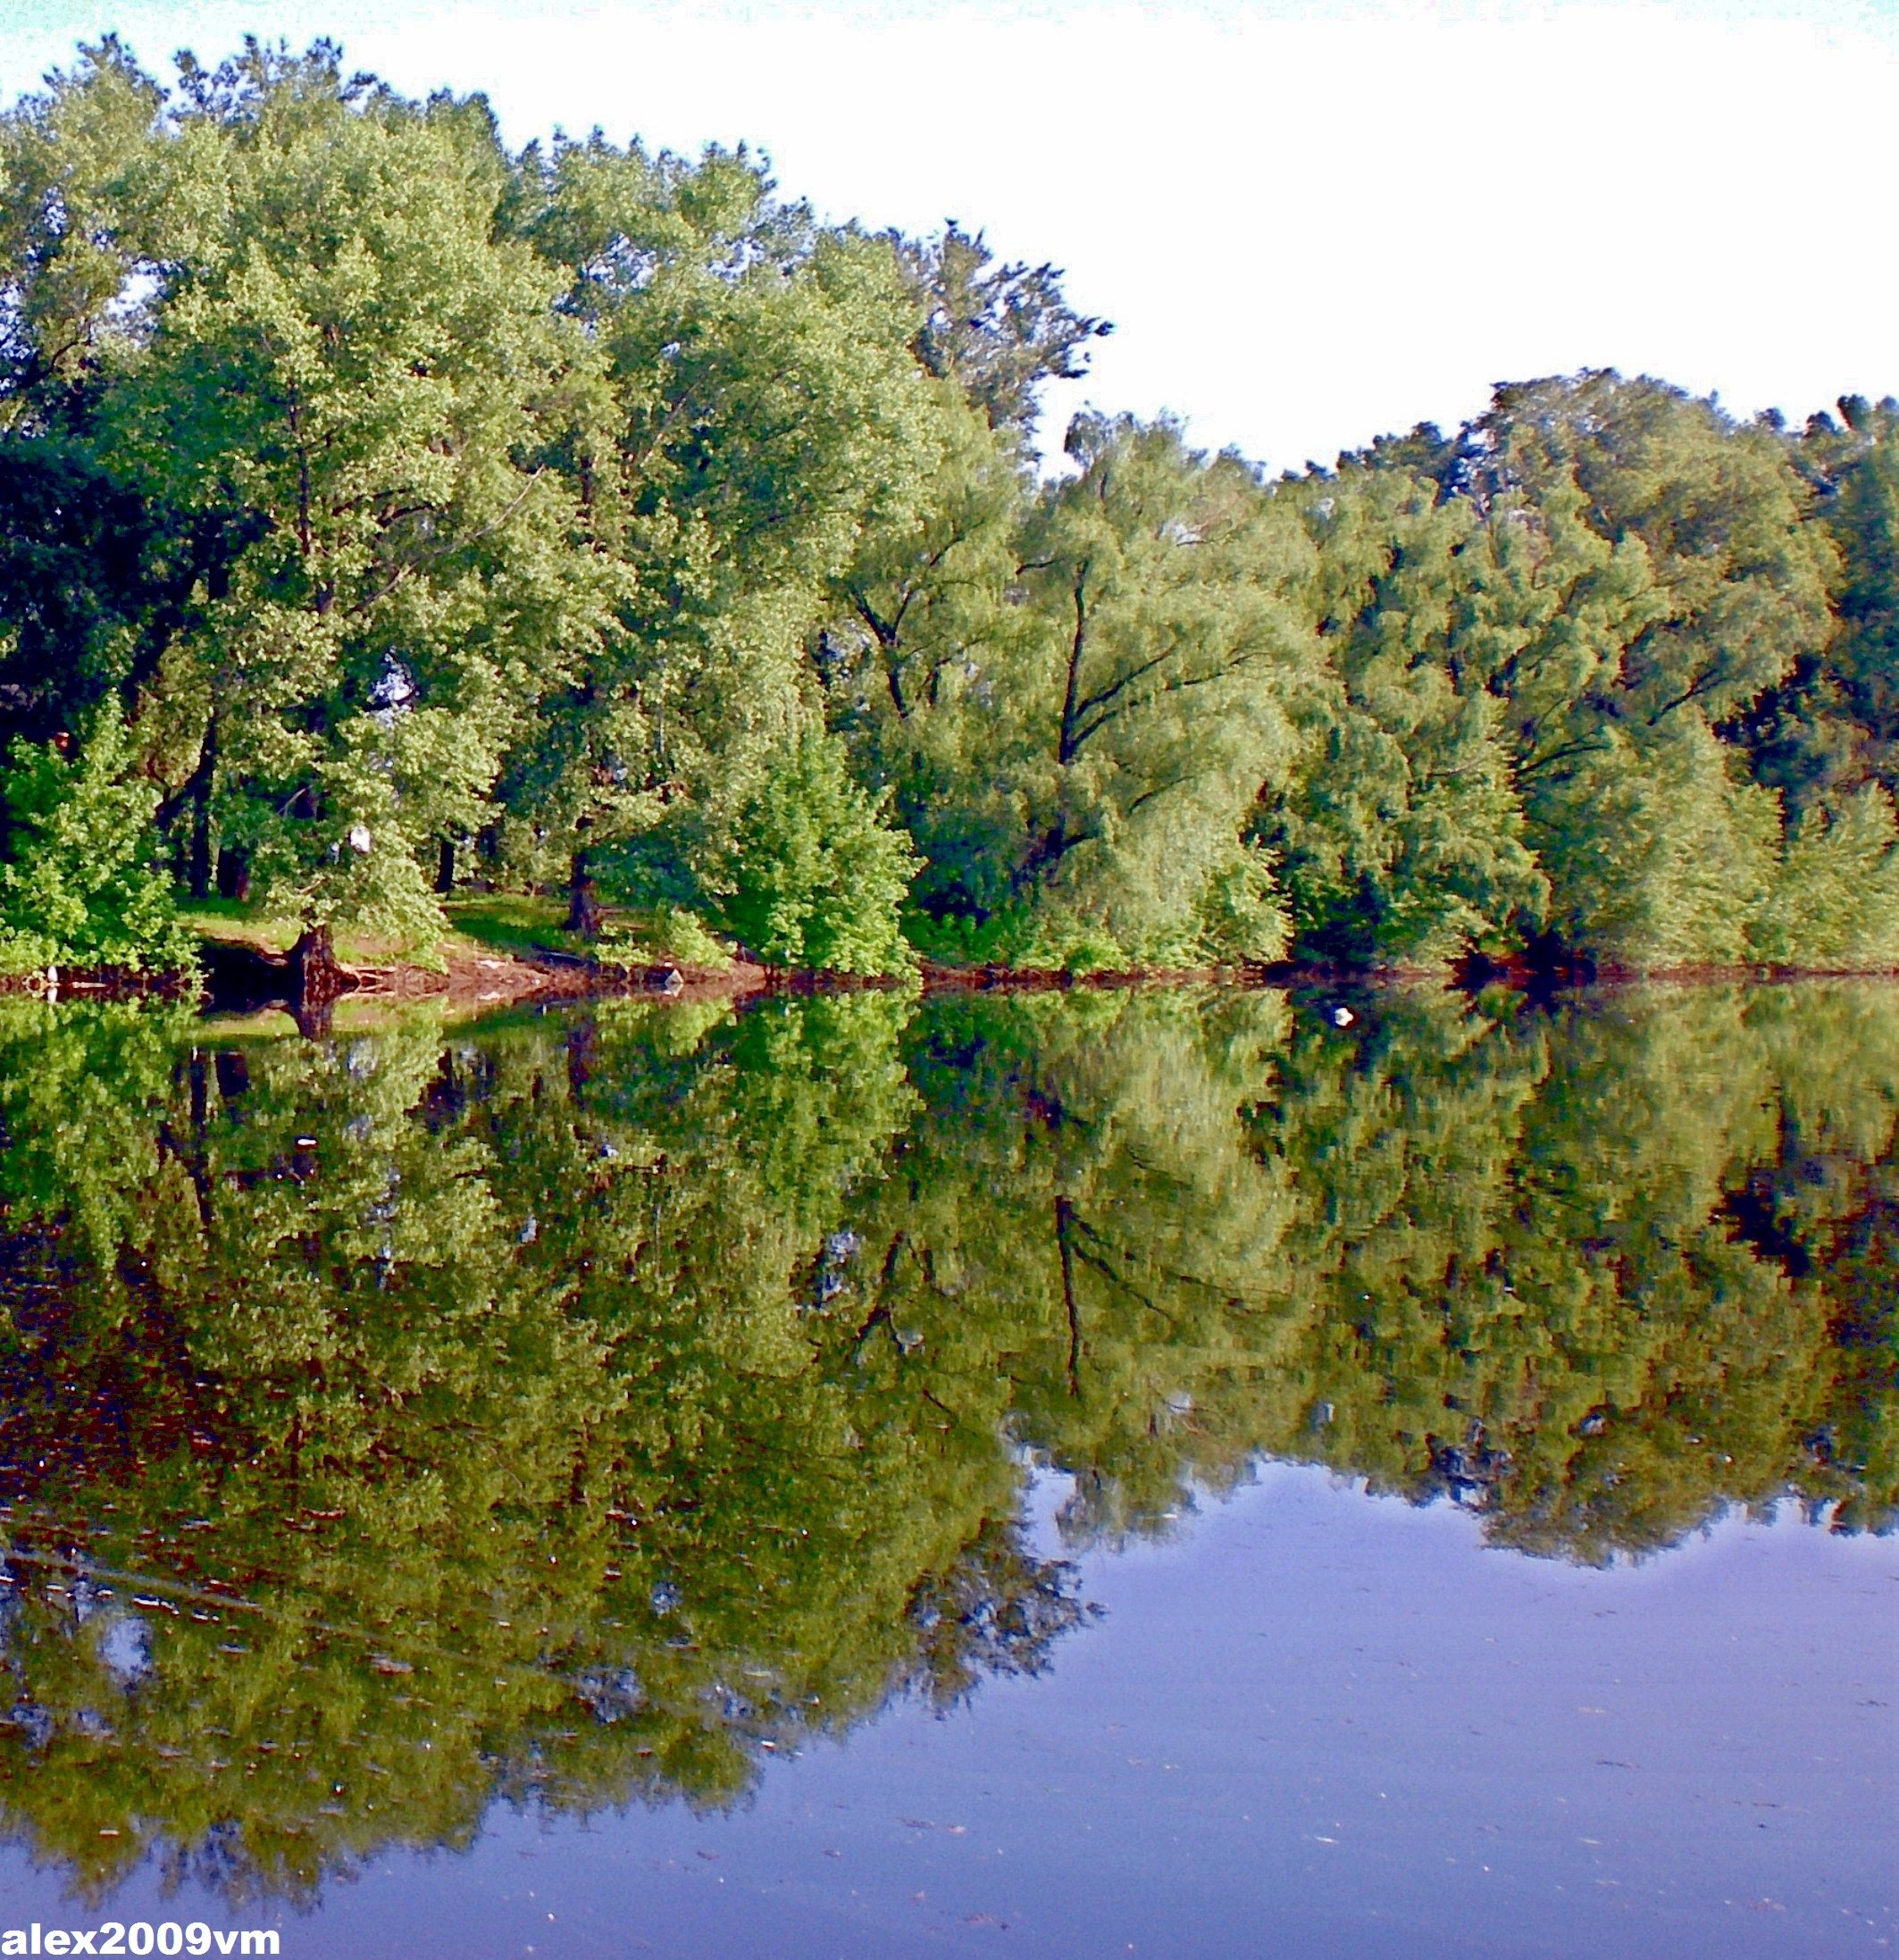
1310	223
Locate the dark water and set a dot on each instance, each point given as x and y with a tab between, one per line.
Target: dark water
1069	1475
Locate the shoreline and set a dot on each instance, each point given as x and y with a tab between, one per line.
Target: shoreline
234	977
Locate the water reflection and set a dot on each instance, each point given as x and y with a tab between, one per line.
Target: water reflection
586	1410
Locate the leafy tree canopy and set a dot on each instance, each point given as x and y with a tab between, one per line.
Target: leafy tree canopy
432	510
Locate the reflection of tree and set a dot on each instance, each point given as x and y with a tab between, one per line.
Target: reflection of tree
450	1407
1497	1254
1595	1311
997	1610
580	1411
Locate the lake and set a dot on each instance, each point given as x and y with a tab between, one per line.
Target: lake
1182	1473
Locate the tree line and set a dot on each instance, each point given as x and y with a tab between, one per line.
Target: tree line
387	510
580	1412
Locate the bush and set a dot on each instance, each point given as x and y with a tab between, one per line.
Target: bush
80	886
816	877
682	936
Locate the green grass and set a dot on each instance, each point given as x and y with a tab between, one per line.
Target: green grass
236	921
514	923
507	923
511	922
490	923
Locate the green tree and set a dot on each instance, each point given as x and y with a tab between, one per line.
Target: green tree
998	332
761	414
82	233
1665	576
1399	831
1164	589
1830	727
1077	736
348	348
432	510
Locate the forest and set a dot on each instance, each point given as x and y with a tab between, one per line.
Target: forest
390	516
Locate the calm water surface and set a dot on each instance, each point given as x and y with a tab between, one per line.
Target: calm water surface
1077	1475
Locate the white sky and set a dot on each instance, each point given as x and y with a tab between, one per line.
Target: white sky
1309	222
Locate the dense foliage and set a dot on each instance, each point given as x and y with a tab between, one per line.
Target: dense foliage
580	1412
428	512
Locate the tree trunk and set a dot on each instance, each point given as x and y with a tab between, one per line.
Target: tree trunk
200	865
583	900
445	866
1063	1219
581	1051
234	874
316	978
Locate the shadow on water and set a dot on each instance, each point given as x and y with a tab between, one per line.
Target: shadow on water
580	1410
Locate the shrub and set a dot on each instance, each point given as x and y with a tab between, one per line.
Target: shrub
80	886
815	877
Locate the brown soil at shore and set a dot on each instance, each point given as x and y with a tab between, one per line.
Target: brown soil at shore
477	982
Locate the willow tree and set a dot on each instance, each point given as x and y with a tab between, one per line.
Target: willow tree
1081	693
1165	588
922	633
1828	727
1399	830
1826	738
1664	577
1863	517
